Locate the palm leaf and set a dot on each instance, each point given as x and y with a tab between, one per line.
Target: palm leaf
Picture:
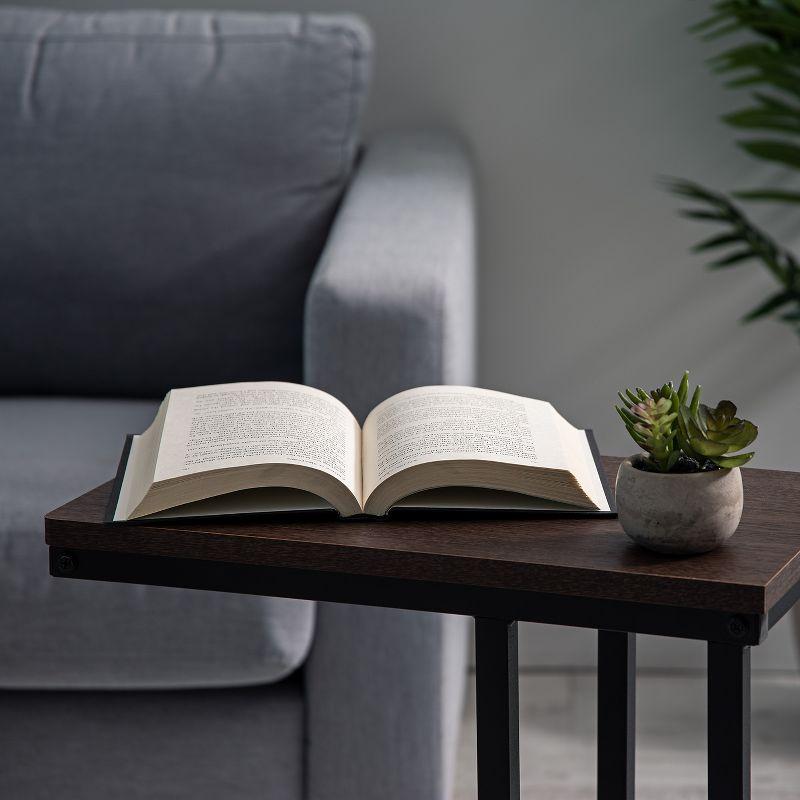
769	195
773	150
717	241
764	119
766	59
754	244
733	259
772	303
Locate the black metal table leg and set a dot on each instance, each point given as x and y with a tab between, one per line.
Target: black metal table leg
497	707
616	715
728	722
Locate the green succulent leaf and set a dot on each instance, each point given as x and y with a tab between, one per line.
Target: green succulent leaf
695	402
743	438
729	462
683	387
633	398
627	417
724	412
708	448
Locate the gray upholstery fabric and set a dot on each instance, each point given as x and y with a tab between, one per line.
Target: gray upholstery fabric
67	634
391	304
390	307
236	744
384	694
168	180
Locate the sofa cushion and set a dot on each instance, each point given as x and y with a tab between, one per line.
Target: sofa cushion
74	634
168	180
228	744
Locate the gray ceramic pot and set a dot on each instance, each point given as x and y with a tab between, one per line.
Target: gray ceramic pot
679	514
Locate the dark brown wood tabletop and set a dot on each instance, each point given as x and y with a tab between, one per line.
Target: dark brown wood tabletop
581	557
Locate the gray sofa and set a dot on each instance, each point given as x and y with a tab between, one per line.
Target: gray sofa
181	203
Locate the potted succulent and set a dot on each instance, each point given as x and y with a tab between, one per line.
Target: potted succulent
683	494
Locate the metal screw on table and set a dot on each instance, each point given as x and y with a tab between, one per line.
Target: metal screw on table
737	627
66	564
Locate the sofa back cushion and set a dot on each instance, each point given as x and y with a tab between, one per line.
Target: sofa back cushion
57	634
167	181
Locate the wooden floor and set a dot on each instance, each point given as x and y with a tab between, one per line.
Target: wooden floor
557	737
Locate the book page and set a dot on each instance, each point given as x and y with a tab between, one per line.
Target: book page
582	464
435	423
269	422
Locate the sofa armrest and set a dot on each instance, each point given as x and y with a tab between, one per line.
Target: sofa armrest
384	695
391	303
391	306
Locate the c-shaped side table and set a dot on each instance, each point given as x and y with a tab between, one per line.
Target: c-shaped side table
562	571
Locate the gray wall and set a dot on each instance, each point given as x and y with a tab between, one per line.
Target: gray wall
571	109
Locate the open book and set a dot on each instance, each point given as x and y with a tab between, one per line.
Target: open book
276	447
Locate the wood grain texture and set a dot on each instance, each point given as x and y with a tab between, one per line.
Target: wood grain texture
579	557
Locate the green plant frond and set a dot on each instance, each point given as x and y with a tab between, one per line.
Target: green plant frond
759	119
709	22
781	80
772	21
764	58
717	241
710	216
734	258
723	30
771	304
773	150
695	191
767	19
754	243
768	195
775	103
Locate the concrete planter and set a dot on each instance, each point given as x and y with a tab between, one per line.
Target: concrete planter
679	514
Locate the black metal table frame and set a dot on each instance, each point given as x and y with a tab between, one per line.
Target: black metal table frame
496	612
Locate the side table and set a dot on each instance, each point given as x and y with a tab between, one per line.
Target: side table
576	572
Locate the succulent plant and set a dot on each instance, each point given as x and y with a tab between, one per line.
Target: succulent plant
716	434
652	422
680	435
